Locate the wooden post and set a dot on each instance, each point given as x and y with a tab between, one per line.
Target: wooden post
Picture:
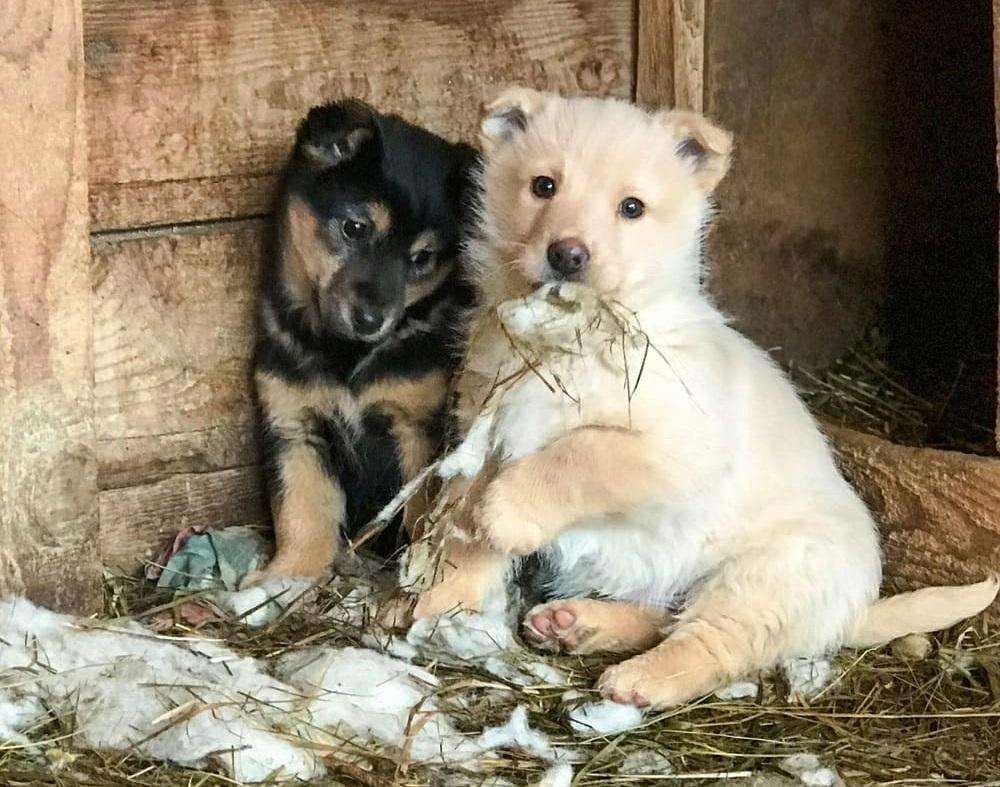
670	57
48	486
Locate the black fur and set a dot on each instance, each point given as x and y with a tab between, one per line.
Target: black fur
348	156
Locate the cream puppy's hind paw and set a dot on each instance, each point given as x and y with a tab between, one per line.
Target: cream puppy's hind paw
584	625
555	627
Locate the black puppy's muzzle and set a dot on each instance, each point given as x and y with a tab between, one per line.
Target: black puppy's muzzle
375	307
367	321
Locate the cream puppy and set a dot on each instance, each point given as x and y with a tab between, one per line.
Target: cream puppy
681	472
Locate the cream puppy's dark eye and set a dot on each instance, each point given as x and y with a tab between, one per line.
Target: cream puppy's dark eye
543	187
355	230
631	207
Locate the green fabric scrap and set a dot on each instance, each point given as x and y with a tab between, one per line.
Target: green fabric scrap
215	560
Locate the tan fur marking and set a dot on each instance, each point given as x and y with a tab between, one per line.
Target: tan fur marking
307	264
291	408
425	241
380	217
420	289
306	522
311	504
596	626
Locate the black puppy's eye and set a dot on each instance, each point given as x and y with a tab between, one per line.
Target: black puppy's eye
631	208
355	230
543	187
422	258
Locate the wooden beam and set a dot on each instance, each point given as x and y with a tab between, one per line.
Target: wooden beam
670	56
48	489
939	511
192	105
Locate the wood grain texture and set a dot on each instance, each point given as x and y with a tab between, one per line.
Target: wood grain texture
939	511
191	105
689	54
670	53
173	334
801	84
48	492
654	70
138	521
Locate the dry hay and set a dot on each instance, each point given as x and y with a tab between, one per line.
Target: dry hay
863	391
883	721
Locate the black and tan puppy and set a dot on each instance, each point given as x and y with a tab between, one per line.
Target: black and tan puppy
360	296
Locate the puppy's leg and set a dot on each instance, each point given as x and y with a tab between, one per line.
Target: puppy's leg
308	506
588	472
467	569
467	574
792	596
584	625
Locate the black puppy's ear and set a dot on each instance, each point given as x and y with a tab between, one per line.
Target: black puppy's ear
334	133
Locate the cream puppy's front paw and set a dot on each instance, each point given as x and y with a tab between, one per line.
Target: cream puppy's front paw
507	525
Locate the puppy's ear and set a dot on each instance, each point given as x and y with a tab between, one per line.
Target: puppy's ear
701	143
508	114
334	133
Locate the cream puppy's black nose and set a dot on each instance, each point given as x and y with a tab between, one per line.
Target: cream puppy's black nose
568	257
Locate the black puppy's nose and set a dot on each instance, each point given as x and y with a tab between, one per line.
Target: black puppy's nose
568	257
367	321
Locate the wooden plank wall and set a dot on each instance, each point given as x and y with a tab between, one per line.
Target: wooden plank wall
191	107
48	490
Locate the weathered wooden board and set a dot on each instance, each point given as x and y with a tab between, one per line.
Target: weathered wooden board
48	491
191	104
798	249
939	511
173	327
136	522
670	55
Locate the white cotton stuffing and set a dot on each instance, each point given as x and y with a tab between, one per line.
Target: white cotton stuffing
739	690
377	697
259	605
605	718
189	703
808	770
17	714
192	701
558	775
484	639
807	677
